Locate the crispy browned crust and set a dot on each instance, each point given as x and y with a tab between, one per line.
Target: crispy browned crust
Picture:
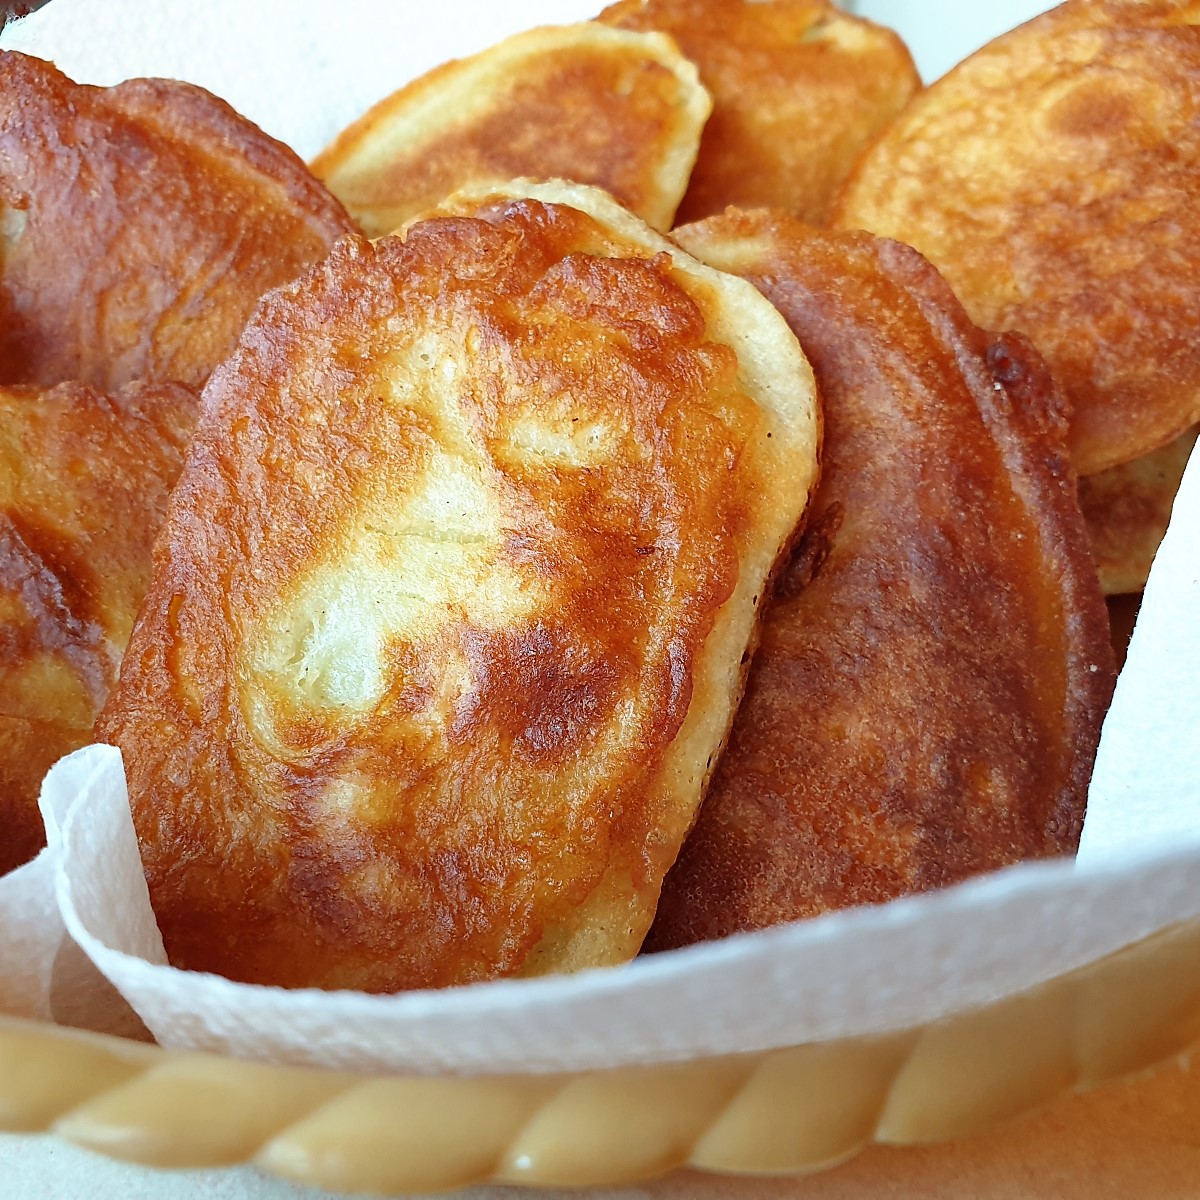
431	604
1122	617
934	668
28	749
139	225
799	89
84	480
1127	510
1052	177
618	110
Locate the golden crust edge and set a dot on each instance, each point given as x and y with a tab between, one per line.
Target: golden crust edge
415	105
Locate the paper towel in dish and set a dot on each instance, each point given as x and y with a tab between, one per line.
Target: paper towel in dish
303	75
44	974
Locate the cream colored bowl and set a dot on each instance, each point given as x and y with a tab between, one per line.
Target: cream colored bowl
779	1112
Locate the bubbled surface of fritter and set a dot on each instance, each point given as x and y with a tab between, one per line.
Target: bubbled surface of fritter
600	106
1127	510
799	89
934	667
1052	178
428	606
84	480
139	225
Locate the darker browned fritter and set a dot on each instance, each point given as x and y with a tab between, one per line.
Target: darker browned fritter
933	671
1122	617
139	225
427	605
799	90
1052	177
84	480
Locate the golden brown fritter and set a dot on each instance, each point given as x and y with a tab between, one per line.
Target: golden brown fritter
449	616
799	89
139	224
1127	510
84	480
619	110
933	671
1052	178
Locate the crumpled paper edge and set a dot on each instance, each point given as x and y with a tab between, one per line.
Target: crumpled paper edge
31	935
1146	783
861	971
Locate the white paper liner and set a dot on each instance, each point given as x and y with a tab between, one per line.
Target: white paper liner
857	972
1146	786
31	933
44	974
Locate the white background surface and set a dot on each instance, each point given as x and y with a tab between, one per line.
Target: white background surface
192	39
264	56
940	32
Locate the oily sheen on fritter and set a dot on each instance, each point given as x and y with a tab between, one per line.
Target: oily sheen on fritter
1127	510
1052	178
139	225
799	90
934	667
84	479
450	612
619	110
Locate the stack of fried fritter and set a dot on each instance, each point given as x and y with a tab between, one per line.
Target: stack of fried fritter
489	524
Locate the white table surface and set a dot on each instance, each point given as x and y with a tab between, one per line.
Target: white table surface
941	32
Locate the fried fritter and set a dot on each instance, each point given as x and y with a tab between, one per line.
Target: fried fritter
927	696
449	615
1052	177
619	110
1127	510
28	749
799	89
84	480
139	225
